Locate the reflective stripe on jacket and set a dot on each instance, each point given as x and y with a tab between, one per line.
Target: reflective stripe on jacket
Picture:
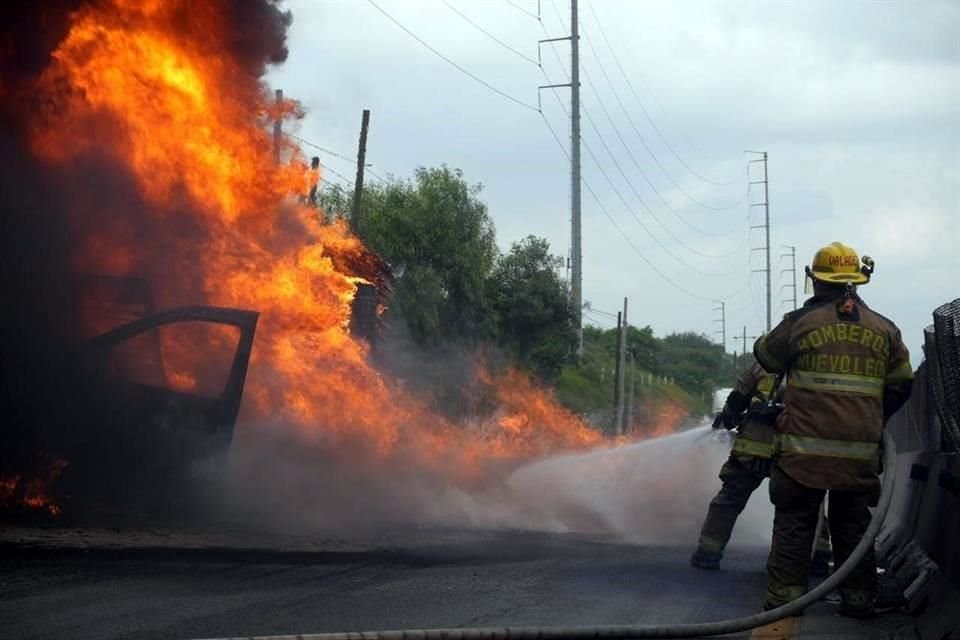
748	447
839	363
754	436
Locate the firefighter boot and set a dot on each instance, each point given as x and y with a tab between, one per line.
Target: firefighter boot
704	559
857	603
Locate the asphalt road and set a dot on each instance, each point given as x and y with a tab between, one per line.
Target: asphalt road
494	579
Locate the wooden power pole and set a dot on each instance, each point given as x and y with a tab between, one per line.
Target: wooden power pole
314	181
358	185
621	370
616	375
628	425
277	127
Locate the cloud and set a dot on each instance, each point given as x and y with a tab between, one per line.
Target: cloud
855	102
912	235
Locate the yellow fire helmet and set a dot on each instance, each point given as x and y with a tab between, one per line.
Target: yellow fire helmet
839	264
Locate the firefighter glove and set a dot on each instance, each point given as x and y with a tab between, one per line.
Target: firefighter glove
726	419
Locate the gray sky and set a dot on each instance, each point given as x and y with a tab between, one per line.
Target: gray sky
857	104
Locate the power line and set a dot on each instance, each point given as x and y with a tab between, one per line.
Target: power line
589	306
323	149
636	250
613	221
603	323
657	160
623	200
339	175
627	205
328	169
522	10
451	62
623	108
647	115
555	136
488	34
647	260
633	188
630	184
334	154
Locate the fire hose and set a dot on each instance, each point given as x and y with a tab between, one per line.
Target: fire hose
623	632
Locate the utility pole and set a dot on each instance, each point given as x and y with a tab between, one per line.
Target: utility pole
616	376
765	226
621	369
277	126
633	373
793	273
358	184
314	180
576	285
723	323
576	249
744	338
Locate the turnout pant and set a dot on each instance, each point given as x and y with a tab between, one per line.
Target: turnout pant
794	527
739	482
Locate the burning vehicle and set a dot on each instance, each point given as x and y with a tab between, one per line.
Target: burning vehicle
143	147
148	418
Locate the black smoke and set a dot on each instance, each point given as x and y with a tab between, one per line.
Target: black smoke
44	396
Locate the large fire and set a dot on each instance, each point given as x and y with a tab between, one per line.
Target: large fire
157	89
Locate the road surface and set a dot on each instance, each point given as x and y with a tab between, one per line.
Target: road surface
471	579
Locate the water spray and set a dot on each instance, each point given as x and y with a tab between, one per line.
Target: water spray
624	632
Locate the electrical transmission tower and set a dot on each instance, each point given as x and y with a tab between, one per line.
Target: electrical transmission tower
793	273
765	226
723	323
576	252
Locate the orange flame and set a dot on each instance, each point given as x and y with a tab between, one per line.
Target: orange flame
531	422
32	490
168	103
665	419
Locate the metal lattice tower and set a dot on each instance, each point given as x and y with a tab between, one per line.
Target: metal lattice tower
792	285
765	226
723	323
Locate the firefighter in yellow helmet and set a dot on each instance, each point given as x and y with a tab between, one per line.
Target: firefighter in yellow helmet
847	371
749	409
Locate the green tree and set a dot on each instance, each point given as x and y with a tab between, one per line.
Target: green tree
694	361
439	239
641	344
644	347
532	306
335	201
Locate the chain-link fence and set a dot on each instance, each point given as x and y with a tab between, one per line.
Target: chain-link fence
942	349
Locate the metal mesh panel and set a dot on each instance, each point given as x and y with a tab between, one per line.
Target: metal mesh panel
913	427
942	345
